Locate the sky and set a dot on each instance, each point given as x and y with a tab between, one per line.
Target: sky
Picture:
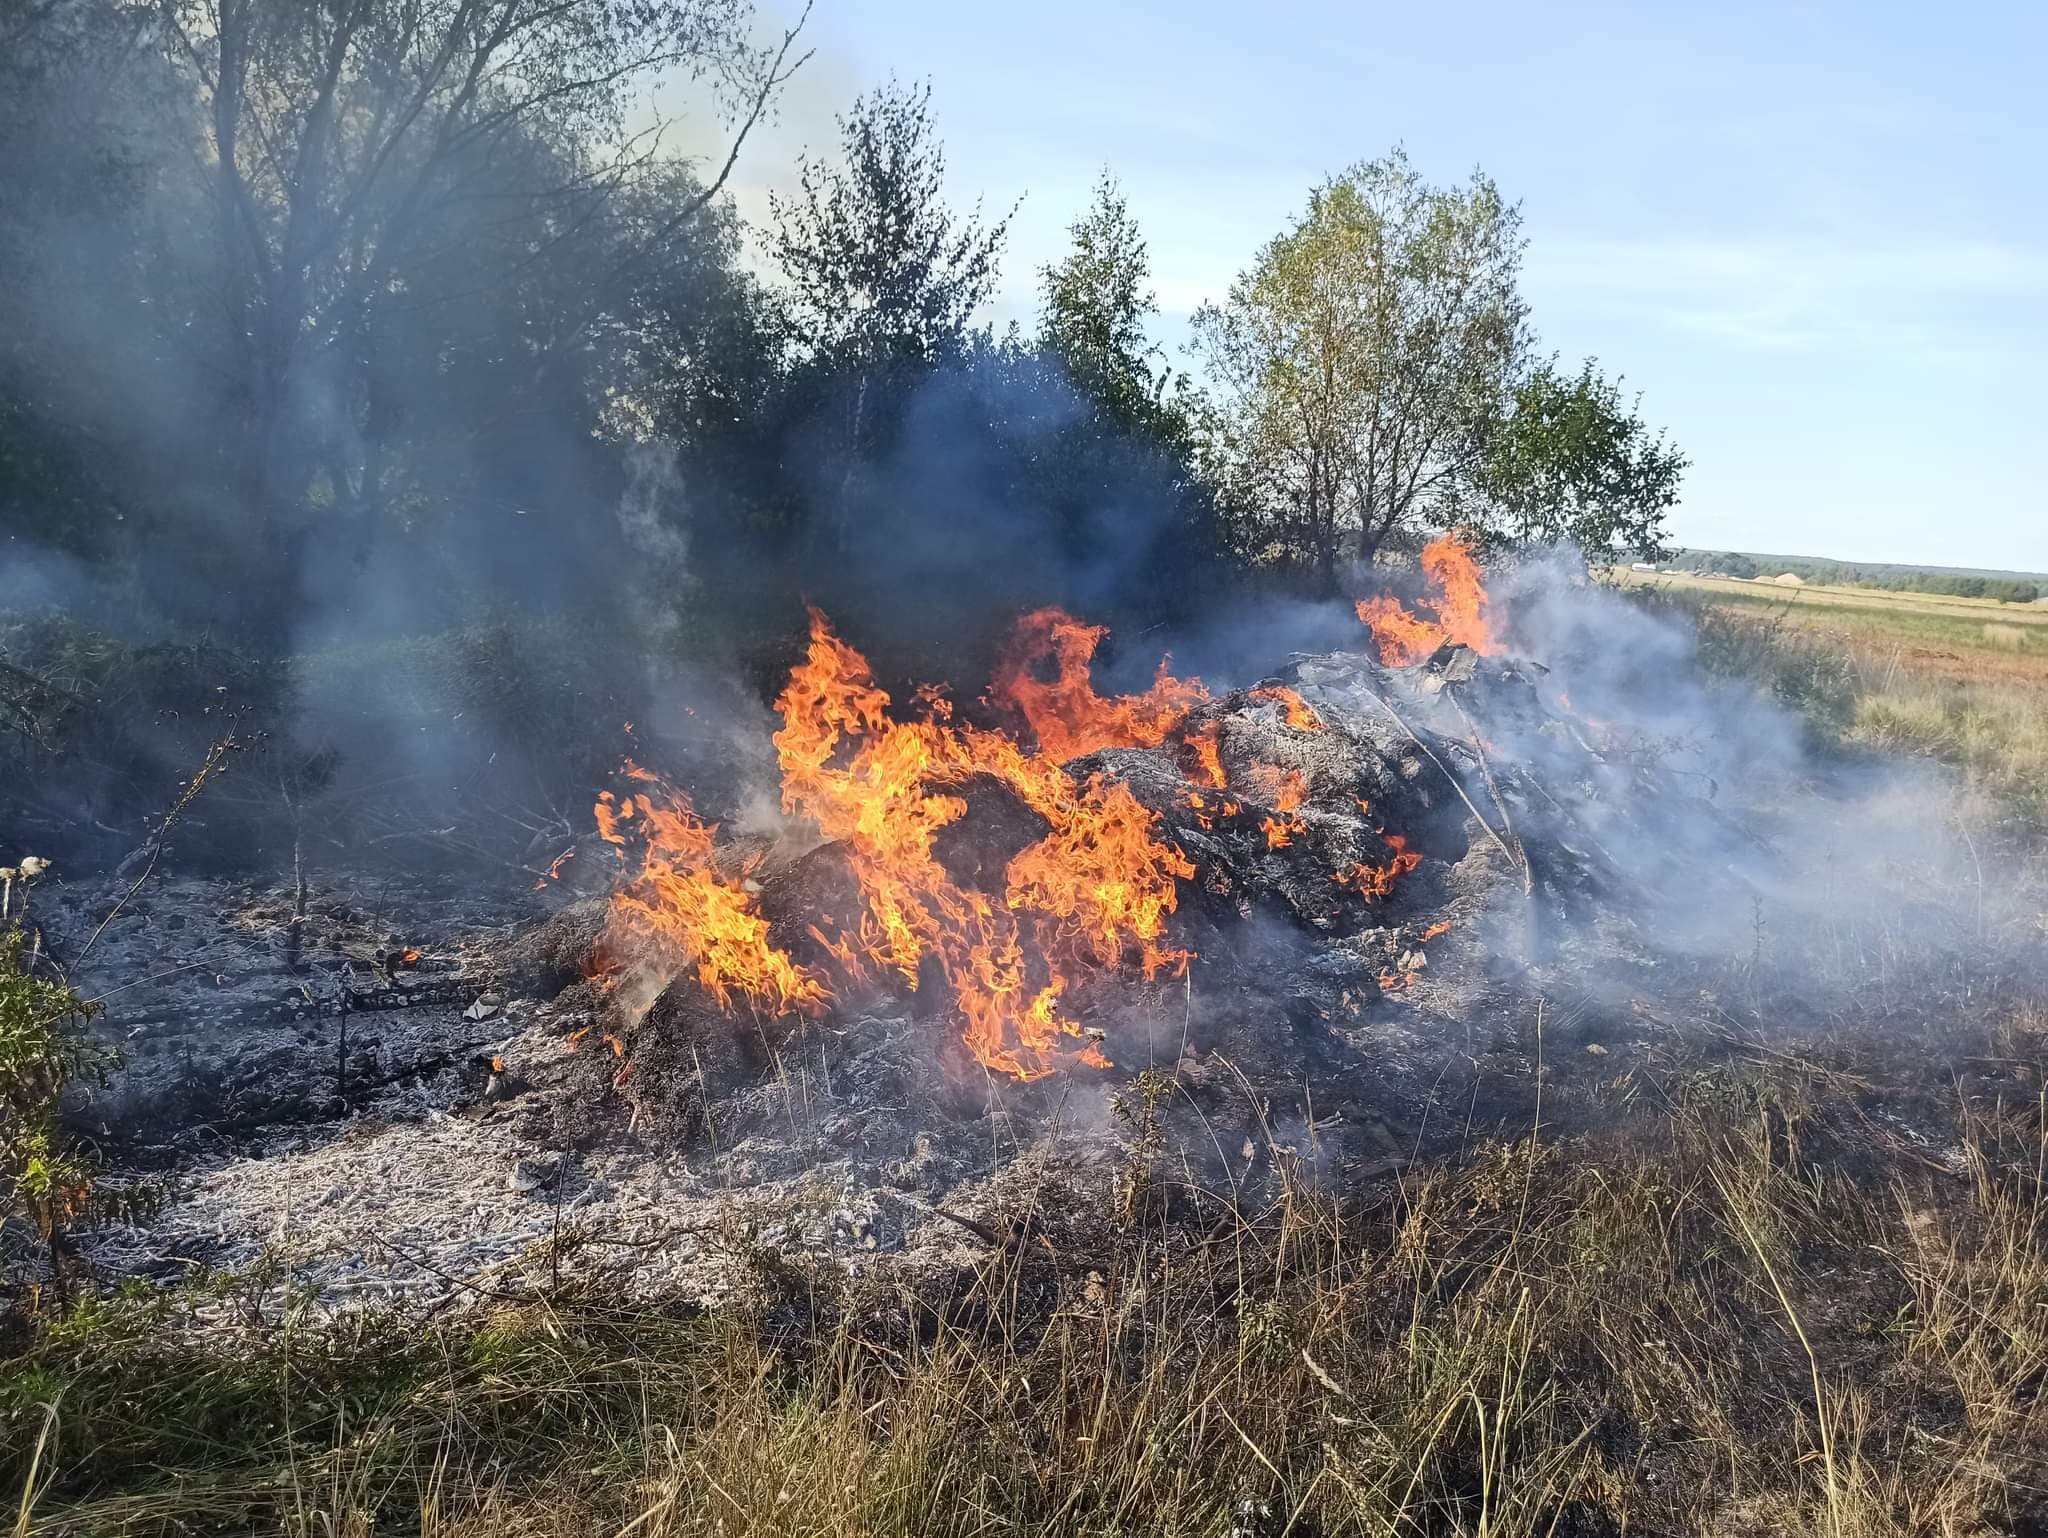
1814	237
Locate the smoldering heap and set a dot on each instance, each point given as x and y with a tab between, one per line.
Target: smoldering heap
1292	922
1223	886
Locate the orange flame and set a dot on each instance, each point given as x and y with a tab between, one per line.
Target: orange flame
1093	892
1297	711
1374	881
1208	756
1459	602
1280	831
680	910
1282	789
1068	717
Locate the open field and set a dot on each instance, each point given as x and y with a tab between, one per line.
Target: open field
1961	680
1962	638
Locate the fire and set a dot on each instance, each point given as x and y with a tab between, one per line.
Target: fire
1205	746
1281	831
1372	881
1283	789
1459	601
680	910
1093	894
1295	710
1068	717
1441	927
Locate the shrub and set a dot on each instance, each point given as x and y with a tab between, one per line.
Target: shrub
44	1180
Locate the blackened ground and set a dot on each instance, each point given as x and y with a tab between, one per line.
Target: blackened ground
379	1128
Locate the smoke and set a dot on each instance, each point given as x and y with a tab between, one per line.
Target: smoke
651	522
1823	877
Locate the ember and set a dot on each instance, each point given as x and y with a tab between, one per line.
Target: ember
1284	789
1281	831
1379	880
1293	708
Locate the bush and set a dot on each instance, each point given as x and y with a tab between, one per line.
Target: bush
44	1180
458	727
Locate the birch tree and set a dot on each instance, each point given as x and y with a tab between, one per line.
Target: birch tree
1363	362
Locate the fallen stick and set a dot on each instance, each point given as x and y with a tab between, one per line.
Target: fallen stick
1520	863
1493	790
215	756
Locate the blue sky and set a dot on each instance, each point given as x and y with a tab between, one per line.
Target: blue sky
1814	237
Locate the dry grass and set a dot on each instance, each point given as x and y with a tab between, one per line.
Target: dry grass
1743	1305
1841	596
1897	684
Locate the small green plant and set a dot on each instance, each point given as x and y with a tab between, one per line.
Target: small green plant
44	1181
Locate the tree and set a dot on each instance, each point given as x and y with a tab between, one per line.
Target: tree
1095	305
87	131
1575	462
350	141
1737	565
879	270
1119	476
1364	359
881	281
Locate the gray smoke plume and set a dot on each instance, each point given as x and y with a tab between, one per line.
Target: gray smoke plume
1826	880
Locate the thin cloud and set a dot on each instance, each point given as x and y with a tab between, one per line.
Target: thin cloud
1918	298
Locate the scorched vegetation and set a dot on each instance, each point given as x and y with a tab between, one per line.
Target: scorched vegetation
784	912
1746	1289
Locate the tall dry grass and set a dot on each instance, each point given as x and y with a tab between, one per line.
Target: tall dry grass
1877	691
1740	1305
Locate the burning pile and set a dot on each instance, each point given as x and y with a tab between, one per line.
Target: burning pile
1459	602
1115	801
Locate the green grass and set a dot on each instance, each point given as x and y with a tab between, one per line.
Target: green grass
1736	1306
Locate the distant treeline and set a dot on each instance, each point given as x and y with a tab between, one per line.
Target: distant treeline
1890	579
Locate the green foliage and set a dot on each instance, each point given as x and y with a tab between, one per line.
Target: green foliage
371	314
1095	302
1753	646
2005	591
1363	357
292	276
513	713
1734	565
879	270
43	1051
1574	462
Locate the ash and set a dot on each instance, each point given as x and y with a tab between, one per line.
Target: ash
421	1097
